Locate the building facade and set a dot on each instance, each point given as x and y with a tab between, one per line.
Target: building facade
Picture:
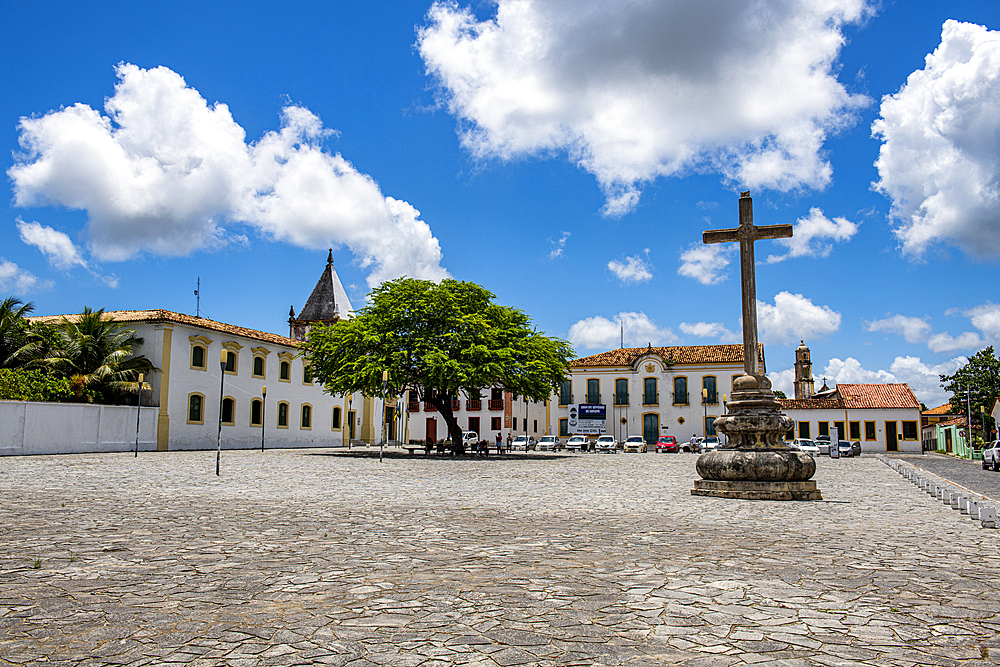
652	391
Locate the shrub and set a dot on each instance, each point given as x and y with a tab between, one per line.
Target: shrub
18	384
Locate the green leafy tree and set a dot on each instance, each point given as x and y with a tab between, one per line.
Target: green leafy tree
15	331
97	355
441	339
981	376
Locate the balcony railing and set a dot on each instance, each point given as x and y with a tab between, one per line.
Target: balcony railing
565	399
594	399
473	404
651	399
429	407
456	405
621	399
495	404
414	407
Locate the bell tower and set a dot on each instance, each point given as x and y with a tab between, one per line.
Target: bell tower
327	304
803	372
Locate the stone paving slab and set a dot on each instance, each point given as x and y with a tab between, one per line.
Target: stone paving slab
325	557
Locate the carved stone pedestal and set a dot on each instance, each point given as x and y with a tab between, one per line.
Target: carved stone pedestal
755	463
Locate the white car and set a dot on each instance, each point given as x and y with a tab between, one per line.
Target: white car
578	443
709	443
805	445
549	443
469	438
606	444
991	456
635	444
523	443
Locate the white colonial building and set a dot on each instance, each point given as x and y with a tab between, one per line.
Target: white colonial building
261	389
652	391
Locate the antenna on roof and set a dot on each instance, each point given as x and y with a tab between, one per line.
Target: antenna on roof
622	323
197	293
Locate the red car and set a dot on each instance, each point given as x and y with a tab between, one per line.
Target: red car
667	443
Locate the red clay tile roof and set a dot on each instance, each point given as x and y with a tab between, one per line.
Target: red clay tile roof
167	316
679	354
939	410
957	421
811	404
877	396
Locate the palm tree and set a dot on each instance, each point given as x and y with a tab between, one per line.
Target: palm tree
96	353
14	335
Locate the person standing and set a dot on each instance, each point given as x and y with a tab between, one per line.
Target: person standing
499	444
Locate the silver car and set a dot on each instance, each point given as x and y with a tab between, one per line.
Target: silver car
548	443
578	443
805	445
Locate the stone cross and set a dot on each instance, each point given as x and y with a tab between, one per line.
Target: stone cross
746	234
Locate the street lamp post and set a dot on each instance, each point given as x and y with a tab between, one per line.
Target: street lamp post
350	419
381	444
968	430
222	386
526	425
263	412
704	401
138	412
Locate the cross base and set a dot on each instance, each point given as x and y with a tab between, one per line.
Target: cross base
748	490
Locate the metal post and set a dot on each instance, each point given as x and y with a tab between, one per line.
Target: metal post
968	431
725	411
381	445
138	412
525	425
704	401
350	419
263	412
222	387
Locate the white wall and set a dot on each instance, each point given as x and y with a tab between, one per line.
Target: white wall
880	417
73	428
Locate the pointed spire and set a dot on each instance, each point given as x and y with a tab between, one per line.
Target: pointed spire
329	258
291	312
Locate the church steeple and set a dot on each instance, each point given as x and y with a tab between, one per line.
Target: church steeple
327	304
803	372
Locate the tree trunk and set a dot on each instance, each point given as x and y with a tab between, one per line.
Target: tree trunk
443	406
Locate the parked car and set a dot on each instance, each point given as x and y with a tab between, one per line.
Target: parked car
470	438
578	443
692	446
849	449
549	443
823	442
806	445
710	442
606	445
524	443
668	444
991	456
635	444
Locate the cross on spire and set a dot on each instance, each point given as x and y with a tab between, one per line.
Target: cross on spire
746	234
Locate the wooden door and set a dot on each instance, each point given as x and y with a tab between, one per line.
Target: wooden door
432	428
891	442
650	428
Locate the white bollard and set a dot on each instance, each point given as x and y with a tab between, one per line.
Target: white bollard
954	500
974	510
946	497
963	505
988	517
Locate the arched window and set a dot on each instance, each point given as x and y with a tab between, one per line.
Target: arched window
256	412
285	371
712	395
594	391
306	420
650	394
196	409
231	362
197	356
258	367
621	391
336	417
282	415
228	411
680	391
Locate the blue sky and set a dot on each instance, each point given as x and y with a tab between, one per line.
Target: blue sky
566	156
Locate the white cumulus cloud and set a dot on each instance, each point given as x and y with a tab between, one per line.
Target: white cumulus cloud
633	270
164	172
635	90
941	137
918	330
706	263
986	318
60	250
810	234
794	317
783	381
711	330
15	279
559	246
601	333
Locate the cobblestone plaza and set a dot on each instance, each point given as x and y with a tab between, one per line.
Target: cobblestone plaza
330	557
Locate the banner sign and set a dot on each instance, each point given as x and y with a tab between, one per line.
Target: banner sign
588	418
